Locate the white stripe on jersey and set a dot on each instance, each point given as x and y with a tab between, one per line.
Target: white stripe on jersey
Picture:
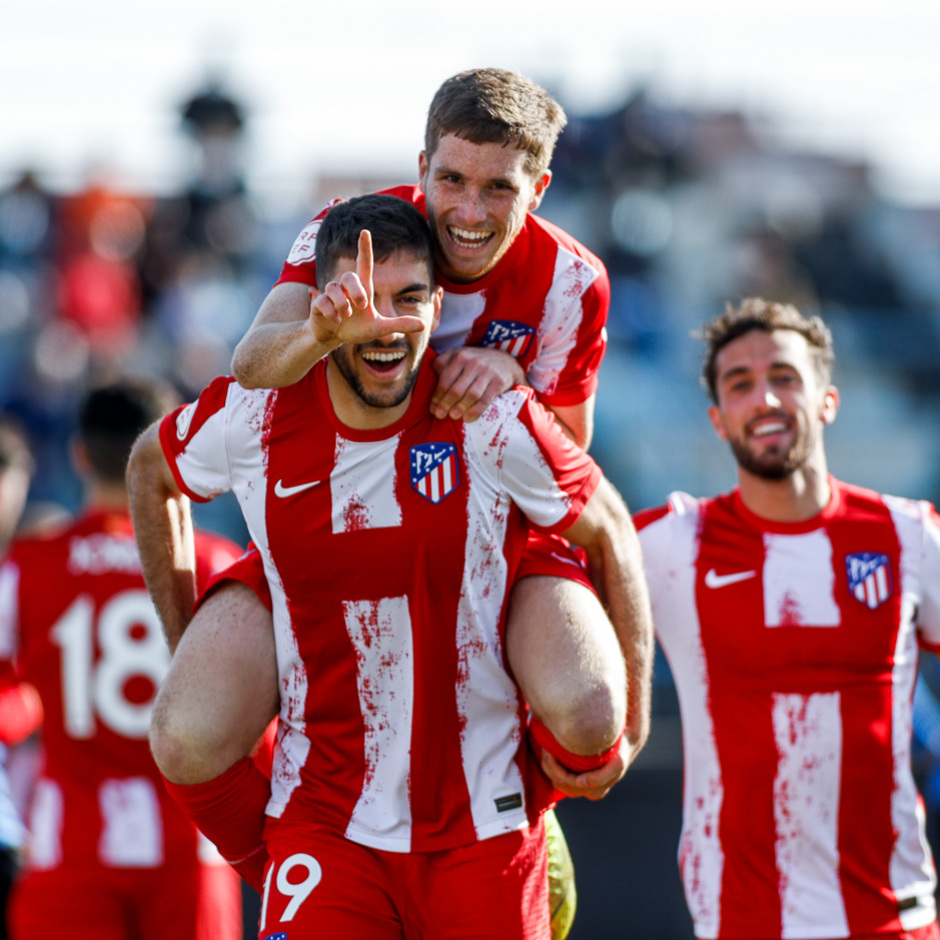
361	486
462	312
380	632
670	556
799	581
808	735
908	871
487	699
558	328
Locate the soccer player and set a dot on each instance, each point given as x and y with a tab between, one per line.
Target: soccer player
523	302
111	856
19	703
403	789
791	611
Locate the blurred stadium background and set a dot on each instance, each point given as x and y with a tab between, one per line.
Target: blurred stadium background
145	239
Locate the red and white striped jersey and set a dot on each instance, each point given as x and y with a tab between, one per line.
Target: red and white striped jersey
77	623
794	652
388	554
545	302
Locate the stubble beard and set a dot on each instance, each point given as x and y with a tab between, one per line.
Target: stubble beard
387	398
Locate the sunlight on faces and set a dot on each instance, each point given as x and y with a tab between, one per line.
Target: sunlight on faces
772	403
478	196
382	373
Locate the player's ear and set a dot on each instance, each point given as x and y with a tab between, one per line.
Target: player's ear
714	414
541	184
830	405
437	297
423	164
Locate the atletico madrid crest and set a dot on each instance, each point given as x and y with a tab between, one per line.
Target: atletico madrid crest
434	470
509	336
869	577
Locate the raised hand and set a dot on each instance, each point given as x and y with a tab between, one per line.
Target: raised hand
345	311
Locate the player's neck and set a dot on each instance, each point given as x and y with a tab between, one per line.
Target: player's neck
800	496
110	497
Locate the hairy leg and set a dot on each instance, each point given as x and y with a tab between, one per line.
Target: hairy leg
221	692
566	658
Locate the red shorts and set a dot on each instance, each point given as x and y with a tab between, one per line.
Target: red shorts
188	903
546	555
319	883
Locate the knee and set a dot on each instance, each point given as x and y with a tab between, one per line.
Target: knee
589	721
179	752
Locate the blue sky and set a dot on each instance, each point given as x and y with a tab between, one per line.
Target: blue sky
334	85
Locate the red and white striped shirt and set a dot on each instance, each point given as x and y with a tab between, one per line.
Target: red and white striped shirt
545	302
388	554
794	652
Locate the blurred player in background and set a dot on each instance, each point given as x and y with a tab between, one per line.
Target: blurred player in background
791	611
111	856
19	704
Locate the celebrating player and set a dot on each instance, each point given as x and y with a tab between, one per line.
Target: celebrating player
791	611
110	856
403	788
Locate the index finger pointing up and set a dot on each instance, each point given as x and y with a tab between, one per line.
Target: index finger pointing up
364	261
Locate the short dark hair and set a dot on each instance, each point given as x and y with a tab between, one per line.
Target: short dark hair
395	225
16	449
112	416
755	313
486	106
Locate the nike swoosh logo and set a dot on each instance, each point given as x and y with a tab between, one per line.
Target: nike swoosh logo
715	580
282	491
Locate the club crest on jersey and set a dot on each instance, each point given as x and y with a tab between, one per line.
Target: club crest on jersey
509	336
869	577
434	470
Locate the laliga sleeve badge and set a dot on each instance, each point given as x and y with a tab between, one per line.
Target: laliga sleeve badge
869	576
434	472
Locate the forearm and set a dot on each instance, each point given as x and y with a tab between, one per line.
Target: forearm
163	528
616	569
274	355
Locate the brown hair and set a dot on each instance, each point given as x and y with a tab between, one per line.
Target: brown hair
755	313
487	106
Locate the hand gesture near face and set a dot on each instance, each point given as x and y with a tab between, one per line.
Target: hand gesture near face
345	312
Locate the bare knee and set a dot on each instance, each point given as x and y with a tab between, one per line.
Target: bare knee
567	661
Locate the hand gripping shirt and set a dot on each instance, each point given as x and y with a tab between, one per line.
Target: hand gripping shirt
794	652
388	554
77	623
545	302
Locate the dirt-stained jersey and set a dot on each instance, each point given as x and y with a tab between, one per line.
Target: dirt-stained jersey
545	302
794	652
389	553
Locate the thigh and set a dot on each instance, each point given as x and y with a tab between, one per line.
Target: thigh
222	688
319	884
496	889
565	656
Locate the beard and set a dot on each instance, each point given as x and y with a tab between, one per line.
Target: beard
773	464
384	398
